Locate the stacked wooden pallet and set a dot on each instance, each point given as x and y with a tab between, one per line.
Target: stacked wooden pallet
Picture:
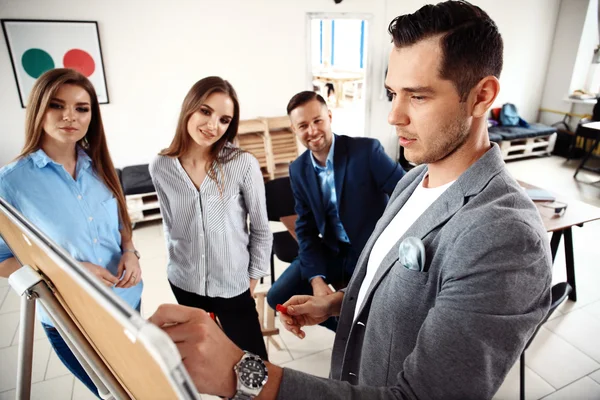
272	142
143	207
283	145
254	138
527	147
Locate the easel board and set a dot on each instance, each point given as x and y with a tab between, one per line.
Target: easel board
142	357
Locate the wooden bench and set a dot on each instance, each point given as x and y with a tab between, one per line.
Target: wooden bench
520	142
266	317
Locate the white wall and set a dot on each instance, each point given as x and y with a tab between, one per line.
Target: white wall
565	48
155	50
587	44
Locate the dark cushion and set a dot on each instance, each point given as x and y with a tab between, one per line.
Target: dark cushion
136	180
280	198
120	176
285	247
494	137
520	132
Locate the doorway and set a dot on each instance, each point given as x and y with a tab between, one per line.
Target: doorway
338	67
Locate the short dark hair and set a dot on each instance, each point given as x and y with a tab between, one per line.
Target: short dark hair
471	44
302	98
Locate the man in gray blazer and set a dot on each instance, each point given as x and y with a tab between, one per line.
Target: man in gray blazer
456	275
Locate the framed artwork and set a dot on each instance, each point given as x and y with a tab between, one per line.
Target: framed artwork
36	46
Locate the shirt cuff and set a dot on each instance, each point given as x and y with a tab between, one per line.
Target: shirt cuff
316	276
257	273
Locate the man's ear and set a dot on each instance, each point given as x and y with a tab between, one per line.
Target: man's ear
483	96
293	127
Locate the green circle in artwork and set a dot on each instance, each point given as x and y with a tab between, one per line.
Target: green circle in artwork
36	62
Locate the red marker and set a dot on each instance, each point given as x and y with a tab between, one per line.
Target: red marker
281	309
212	315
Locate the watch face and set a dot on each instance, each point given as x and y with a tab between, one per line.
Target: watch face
252	373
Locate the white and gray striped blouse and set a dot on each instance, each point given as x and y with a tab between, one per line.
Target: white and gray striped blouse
211	250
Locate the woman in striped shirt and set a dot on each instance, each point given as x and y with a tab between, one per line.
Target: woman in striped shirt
208	189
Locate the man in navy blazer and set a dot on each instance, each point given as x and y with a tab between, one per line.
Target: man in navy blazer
341	186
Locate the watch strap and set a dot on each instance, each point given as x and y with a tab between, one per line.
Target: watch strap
242	396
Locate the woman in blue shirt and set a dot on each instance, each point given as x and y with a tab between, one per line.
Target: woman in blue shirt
64	183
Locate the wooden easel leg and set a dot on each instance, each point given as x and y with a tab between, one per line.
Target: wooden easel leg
28	283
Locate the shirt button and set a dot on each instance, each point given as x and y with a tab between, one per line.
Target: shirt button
99	260
91	218
95	240
202	255
79	197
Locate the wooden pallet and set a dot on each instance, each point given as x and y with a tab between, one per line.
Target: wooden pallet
272	142
143	207
521	148
253	137
283	144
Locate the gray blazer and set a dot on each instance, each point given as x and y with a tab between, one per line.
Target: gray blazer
454	331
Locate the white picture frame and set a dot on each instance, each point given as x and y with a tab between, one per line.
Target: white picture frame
36	46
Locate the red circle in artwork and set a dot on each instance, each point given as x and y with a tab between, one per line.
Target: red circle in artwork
79	60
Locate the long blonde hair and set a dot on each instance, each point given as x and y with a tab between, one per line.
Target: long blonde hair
196	96
43	91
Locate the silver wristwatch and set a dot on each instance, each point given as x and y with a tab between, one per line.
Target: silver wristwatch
252	375
134	251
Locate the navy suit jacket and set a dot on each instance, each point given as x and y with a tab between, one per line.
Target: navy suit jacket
364	178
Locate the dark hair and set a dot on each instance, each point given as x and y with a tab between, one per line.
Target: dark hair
196	96
302	98
471	44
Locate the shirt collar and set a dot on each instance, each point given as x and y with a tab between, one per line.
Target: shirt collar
83	159
41	159
328	162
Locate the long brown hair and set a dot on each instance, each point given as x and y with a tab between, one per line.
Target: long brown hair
192	102
43	91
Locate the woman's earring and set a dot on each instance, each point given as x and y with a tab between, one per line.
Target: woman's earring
84	143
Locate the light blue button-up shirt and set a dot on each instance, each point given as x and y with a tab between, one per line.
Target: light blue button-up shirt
327	184
80	215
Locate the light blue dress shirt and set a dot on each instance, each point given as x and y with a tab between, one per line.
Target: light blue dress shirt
326	177
80	215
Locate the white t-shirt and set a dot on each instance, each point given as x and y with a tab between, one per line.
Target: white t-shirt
418	202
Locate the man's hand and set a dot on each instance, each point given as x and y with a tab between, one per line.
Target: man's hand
253	283
207	354
309	310
133	273
320	287
101	273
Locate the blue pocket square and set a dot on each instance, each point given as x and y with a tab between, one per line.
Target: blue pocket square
411	254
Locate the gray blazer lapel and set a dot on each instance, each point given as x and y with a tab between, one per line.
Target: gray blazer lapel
438	213
469	183
406	186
